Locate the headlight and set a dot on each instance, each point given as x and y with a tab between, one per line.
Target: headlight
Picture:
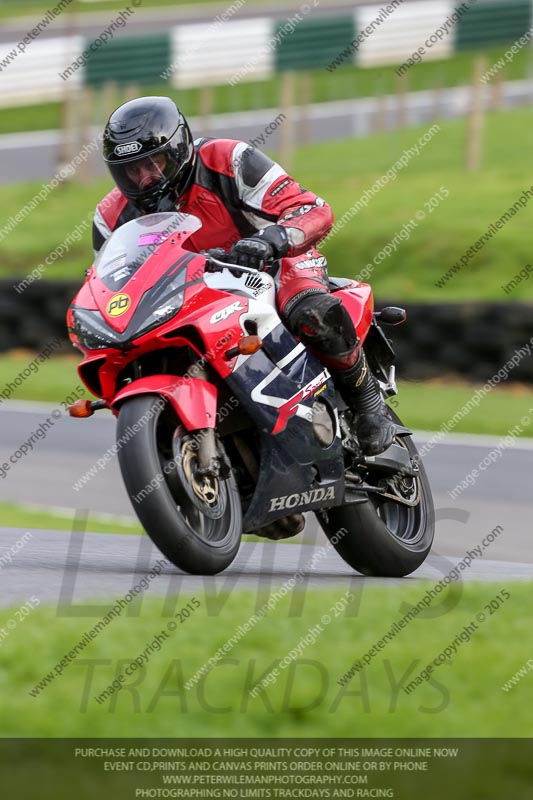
157	306
92	331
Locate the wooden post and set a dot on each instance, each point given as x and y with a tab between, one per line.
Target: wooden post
402	88
67	144
381	113
206	108
286	139
378	118
306	91
86	118
109	98
496	92
436	108
476	118
132	92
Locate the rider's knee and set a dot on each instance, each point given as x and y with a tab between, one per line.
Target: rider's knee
321	321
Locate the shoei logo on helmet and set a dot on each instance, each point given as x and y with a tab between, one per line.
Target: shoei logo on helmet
118	305
127	149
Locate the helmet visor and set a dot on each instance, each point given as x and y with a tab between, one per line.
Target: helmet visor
151	174
141	176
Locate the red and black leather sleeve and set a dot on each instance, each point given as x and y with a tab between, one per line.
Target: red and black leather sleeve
268	195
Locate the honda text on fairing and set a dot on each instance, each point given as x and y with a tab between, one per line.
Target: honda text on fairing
237	427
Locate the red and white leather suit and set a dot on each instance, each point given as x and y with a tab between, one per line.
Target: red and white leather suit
236	190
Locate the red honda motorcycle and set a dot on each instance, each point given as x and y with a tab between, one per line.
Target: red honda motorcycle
226	423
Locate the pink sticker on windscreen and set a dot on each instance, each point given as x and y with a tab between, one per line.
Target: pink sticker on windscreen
151	238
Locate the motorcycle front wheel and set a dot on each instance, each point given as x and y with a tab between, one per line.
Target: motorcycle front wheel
195	522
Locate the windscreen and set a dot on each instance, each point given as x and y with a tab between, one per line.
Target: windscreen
132	244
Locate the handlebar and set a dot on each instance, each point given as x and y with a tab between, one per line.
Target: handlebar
210	261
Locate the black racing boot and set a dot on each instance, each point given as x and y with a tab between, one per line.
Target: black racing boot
360	390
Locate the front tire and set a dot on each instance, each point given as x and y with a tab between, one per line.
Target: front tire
202	539
382	537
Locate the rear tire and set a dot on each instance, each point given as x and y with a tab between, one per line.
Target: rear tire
384	538
199	539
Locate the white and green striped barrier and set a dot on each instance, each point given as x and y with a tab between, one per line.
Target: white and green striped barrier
234	48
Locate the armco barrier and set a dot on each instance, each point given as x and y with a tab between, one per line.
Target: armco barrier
472	340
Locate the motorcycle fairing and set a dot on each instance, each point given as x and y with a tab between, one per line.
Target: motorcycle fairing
193	399
292	460
359	302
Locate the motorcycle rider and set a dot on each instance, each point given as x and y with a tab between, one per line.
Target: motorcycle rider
248	204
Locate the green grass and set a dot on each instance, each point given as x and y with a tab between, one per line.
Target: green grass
425	405
448	231
345	83
33	8
28	517
464	699
429	405
55	380
64	519
341	172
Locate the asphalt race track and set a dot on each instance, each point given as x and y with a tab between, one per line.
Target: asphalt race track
87	565
160	19
35	155
70	568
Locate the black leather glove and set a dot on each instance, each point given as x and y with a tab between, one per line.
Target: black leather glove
261	248
214	252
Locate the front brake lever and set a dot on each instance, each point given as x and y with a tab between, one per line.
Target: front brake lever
211	265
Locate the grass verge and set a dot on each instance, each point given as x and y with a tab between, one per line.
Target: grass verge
463	697
424	406
31	517
34	8
37	517
341	173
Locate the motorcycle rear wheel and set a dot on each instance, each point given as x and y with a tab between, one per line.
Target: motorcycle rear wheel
380	537
198	537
